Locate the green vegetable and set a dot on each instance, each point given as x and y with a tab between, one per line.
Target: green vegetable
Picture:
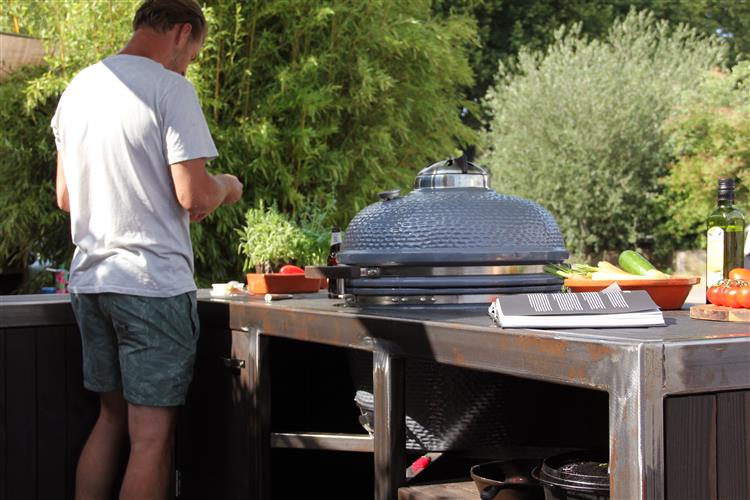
570	271
635	263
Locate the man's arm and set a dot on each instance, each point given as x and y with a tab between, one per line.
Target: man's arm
199	192
61	187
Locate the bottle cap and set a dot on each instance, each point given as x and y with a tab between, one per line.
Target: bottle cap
726	189
726	184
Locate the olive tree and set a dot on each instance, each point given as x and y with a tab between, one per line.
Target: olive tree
578	127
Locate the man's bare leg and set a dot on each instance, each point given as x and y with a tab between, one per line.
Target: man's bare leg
151	431
100	458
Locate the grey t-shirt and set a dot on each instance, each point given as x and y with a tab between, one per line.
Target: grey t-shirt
118	127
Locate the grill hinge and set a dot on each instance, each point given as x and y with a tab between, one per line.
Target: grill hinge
369	272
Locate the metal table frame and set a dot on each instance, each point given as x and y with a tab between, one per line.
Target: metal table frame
637	367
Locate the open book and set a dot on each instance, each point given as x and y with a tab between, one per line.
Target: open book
612	307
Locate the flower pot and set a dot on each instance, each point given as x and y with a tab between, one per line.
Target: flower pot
262	283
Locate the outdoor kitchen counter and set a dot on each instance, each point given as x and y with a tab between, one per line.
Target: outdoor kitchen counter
703	366
638	367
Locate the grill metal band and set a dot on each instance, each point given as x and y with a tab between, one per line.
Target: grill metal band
366	272
428	299
417	300
344	271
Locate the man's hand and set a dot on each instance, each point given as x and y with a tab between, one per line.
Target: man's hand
234	189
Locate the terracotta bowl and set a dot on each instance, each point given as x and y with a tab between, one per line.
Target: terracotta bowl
668	293
281	283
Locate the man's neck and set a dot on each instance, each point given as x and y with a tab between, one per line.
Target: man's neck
148	43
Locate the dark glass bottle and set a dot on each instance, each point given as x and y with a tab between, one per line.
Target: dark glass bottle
725	235
333	285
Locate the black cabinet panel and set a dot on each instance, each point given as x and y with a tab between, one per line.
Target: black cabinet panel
45	413
733	445
707	446
213	443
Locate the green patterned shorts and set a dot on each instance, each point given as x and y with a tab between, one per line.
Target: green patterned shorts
143	345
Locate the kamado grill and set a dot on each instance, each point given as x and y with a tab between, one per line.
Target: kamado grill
451	240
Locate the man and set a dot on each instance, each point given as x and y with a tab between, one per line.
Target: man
132	148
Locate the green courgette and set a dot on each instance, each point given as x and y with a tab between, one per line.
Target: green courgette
635	263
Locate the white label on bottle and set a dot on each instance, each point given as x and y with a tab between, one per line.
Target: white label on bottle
336	238
714	256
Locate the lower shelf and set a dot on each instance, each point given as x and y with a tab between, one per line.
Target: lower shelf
458	490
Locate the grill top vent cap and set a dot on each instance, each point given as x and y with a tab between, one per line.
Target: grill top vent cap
453	173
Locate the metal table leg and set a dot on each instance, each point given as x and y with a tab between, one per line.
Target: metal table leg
636	427
390	433
259	382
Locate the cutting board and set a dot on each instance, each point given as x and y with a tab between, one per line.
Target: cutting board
720	313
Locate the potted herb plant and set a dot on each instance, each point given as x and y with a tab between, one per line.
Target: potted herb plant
270	239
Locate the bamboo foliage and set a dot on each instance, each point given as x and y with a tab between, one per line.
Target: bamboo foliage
320	105
31	224
315	105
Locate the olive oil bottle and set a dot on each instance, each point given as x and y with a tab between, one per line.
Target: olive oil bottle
725	235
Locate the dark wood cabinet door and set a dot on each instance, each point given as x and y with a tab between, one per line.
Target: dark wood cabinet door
45	413
213	443
707	452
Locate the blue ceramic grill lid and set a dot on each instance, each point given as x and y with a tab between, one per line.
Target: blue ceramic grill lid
452	217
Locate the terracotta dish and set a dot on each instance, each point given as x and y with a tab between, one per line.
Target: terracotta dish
281	283
669	293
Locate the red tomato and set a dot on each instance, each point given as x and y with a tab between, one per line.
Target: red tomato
739	273
714	295
290	269
743	297
729	296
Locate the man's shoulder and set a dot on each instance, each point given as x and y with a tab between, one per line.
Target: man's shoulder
177	88
87	72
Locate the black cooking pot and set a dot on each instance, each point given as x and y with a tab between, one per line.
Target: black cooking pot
452	217
578	475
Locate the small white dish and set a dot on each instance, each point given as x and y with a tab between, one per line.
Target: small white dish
227	289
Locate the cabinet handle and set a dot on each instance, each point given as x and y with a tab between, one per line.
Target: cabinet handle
232	363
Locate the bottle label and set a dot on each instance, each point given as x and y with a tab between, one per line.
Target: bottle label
336	239
714	256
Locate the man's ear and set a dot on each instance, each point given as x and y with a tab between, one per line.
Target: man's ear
183	34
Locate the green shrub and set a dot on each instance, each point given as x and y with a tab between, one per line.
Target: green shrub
578	128
709	136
